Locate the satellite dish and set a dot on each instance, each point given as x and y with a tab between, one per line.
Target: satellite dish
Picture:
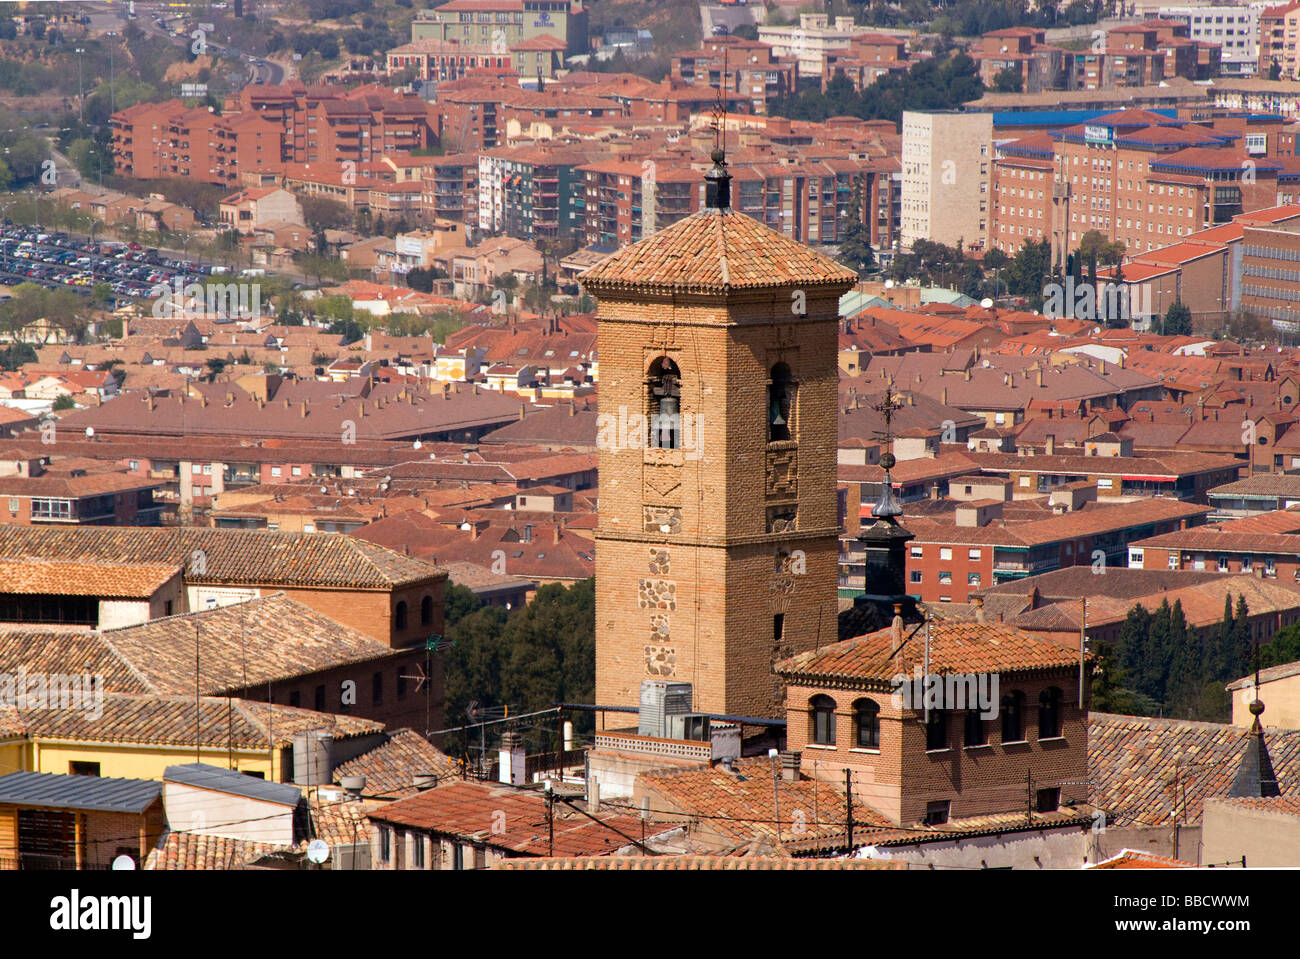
318	851
986	303
416	445
90	431
889	284
123	863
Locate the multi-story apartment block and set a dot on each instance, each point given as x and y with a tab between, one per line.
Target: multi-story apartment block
753	70
614	203
946	160
869	57
166	140
1137	177
503	23
1270	273
1025	50
1235	29
450	188
531	193
1278	29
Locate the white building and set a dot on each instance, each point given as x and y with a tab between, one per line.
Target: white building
946	159
811	40
1234	28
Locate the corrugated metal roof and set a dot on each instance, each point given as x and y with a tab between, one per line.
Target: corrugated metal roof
78	792
203	776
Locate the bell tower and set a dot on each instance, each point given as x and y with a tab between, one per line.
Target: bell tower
718	544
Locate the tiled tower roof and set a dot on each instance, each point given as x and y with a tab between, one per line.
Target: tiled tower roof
713	251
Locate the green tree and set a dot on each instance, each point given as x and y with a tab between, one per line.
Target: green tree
64	401
1008	80
1178	320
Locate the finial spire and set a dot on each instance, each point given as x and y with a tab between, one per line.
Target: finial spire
887	506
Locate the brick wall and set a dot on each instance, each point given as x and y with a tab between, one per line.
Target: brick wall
900	777
698	604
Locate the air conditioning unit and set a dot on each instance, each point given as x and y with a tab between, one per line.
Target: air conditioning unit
692	726
659	700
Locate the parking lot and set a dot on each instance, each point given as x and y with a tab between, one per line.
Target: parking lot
52	259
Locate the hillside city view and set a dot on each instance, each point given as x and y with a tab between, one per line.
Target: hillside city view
638	435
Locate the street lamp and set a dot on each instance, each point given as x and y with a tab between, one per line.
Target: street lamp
81	91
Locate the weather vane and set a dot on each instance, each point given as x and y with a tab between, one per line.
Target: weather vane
888	506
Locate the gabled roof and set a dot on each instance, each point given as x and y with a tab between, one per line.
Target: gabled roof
714	251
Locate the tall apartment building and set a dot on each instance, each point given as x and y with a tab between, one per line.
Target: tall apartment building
1141	178
1270	273
503	23
614	203
1236	29
531	193
335	124
166	140
1278	29
946	160
449	188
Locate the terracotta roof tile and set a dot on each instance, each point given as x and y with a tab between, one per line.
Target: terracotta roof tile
713	251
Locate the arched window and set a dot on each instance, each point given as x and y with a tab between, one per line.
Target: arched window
866	720
1013	717
399	616
936	730
976	734
780	403
665	396
426	611
823	720
1049	713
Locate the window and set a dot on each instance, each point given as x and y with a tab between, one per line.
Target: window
295	698
823	720
866	722
972	579
377	689
385	845
426	611
974	733
1049	713
275	471
916	576
417	852
1048	800
320	699
399	615
945	552
917	551
1247	564
974	554
196	469
665	390
1173	560
936	813
936	730
780	403
1223	564
778	627
13	505
945	577
83	768
296	471
1270	567
1013	710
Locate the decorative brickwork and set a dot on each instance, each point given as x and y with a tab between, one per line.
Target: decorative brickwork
657	594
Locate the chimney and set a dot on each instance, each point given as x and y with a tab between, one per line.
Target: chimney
943	396
593	796
528	533
555	533
523	410
979	609
511	759
302	412
1051	444
1039	377
790	766
896	629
